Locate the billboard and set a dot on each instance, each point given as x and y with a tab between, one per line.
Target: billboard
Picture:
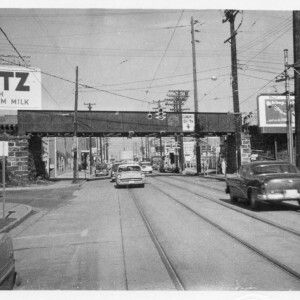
272	116
20	88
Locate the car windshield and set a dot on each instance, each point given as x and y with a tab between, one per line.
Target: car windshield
129	168
274	168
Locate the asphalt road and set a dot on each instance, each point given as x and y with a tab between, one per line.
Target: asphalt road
95	238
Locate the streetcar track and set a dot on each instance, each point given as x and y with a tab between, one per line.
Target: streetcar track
260	253
203	184
122	244
165	260
238	209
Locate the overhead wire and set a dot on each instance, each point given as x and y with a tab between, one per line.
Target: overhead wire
261	88
21	57
166	49
86	85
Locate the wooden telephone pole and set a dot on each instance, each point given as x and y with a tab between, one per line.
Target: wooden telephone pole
198	153
75	130
296	39
230	17
90	105
176	100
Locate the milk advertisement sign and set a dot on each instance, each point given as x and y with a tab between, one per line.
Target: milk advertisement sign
20	88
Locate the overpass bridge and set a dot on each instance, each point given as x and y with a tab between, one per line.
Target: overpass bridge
121	123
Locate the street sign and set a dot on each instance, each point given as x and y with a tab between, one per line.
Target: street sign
3	153
3	148
188	122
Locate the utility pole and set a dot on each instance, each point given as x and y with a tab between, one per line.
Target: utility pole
230	17
198	153
177	99
89	105
289	128
106	149
296	40
290	144
75	129
101	149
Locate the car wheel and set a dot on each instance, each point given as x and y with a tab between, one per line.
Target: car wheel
9	282
116	186
254	204
232	198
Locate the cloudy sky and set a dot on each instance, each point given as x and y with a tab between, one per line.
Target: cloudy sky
134	57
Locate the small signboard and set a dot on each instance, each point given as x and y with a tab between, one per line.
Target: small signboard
3	148
188	122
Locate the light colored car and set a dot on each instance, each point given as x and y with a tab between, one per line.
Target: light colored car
7	263
130	174
146	167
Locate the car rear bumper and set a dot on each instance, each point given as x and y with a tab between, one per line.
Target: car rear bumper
124	182
289	196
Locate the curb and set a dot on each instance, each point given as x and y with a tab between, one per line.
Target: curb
15	223
216	178
42	187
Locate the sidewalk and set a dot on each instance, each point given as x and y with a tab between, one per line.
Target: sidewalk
15	214
82	175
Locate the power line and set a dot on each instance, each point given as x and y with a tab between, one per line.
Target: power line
16	50
87	86
269	44
261	88
248	45
170	40
21	57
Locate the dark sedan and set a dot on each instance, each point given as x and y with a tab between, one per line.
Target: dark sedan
265	181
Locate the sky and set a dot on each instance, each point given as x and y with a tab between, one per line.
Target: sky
134	57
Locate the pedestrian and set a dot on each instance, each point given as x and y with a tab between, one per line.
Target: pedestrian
223	166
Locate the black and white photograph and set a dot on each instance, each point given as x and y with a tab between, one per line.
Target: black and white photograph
150	148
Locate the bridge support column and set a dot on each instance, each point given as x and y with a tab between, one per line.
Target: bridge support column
232	153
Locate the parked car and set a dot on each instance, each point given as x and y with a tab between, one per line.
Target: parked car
101	170
7	263
113	171
273	181
130	174
146	167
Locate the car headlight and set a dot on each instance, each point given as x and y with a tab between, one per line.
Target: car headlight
143	175
119	176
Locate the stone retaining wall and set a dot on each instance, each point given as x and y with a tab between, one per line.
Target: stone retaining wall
17	160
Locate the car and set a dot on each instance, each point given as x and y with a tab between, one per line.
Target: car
7	263
273	181
101	170
146	167
114	169
130	175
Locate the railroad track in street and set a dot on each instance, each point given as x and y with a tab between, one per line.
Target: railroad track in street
164	257
254	249
237	209
222	190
